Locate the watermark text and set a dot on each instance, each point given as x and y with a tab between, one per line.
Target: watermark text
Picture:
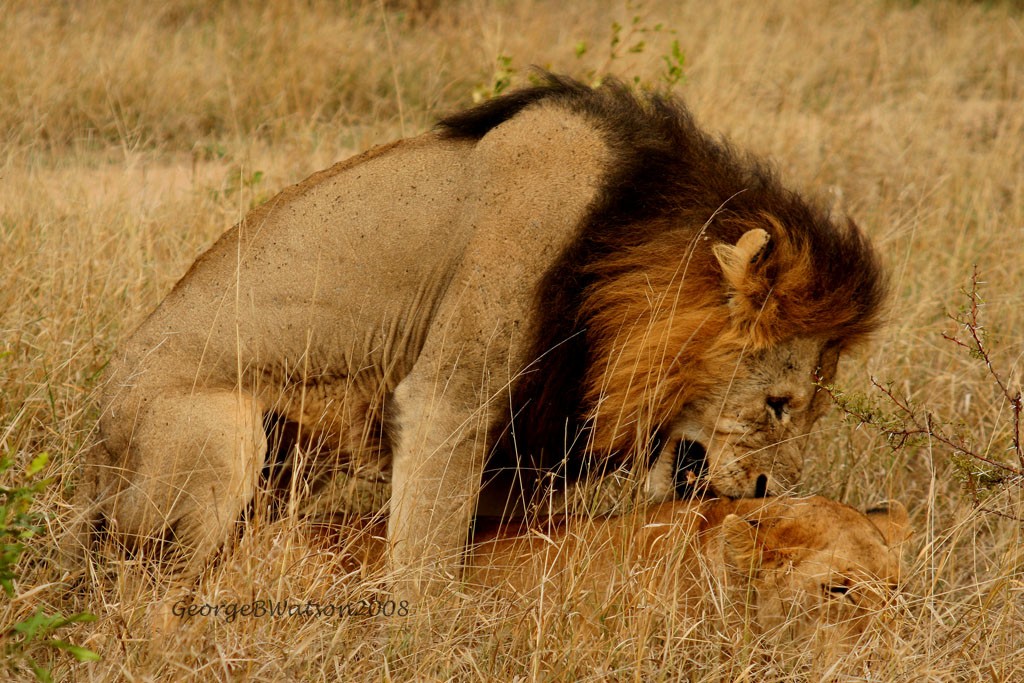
284	609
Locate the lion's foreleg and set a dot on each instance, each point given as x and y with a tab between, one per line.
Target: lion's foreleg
436	474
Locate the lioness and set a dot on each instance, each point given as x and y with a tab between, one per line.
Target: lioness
560	276
796	566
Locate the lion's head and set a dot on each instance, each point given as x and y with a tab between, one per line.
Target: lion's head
815	568
713	353
743	437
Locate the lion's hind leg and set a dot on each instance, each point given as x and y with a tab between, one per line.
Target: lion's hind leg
187	470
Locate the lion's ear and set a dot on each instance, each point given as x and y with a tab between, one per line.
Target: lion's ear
739	546
891	519
737	260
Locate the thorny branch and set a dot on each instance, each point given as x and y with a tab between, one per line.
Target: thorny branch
970	321
902	423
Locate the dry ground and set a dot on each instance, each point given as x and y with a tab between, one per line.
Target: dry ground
133	133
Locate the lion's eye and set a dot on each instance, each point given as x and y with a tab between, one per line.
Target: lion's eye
837	589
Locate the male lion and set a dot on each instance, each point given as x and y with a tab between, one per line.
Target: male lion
796	567
562	275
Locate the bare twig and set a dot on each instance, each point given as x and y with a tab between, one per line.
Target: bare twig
970	322
901	422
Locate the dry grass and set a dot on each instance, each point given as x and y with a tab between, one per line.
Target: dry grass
133	135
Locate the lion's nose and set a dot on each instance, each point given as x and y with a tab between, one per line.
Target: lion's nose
773	481
778	406
761	486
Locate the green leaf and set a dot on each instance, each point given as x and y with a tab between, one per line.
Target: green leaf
82	618
41	673
82	654
38	623
38	463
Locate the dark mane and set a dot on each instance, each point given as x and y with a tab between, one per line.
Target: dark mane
667	183
473	124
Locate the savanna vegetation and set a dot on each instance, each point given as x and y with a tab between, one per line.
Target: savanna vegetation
133	133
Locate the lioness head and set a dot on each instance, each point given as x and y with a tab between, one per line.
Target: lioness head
814	567
791	568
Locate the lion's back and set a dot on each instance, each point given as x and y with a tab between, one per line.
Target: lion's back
337	271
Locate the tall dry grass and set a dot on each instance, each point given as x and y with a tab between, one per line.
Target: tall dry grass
134	133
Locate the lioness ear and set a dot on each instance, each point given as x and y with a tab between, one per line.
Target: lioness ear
891	519
739	545
737	259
